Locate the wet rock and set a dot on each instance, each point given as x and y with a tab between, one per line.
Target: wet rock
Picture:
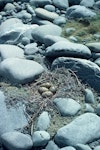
77	11
27	72
63	48
85	128
40	32
9	51
40	138
67	106
86	70
16	141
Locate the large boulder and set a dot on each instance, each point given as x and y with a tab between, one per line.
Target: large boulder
40	32
61	4
20	70
82	130
86	70
16	141
77	11
12	30
64	48
45	14
9	51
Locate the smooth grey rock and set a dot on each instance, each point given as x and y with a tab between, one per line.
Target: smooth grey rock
9	7
98	110
40	32
73	39
30	9
50	8
40	3
5	124
12	30
27	72
95	56
59	21
86	3
97	61
43	121
68	148
16	141
86	70
63	48
77	11
82	147
25	41
45	14
4	2
89	108
81	130
89	96
40	138
50	40
94	47
61	4
24	15
9	51
67	106
39	21
97	148
31	49
52	145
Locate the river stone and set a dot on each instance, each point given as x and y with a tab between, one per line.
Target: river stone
24	15
97	5
50	8
27	72
89	96
97	61
98	110
94	47
4	2
63	48
43	121
52	145
45	14
68	148
16	141
31	49
40	32
67	106
83	129
40	3
86	70
39	21
86	3
77	11
59	20
9	51
12	30
9	7
50	40
82	147
97	148
88	108
40	138
61	4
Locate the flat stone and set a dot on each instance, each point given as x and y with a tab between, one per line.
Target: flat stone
9	51
84	128
86	70
78	11
16	141
67	106
27	72
40	32
45	14
63	48
40	138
